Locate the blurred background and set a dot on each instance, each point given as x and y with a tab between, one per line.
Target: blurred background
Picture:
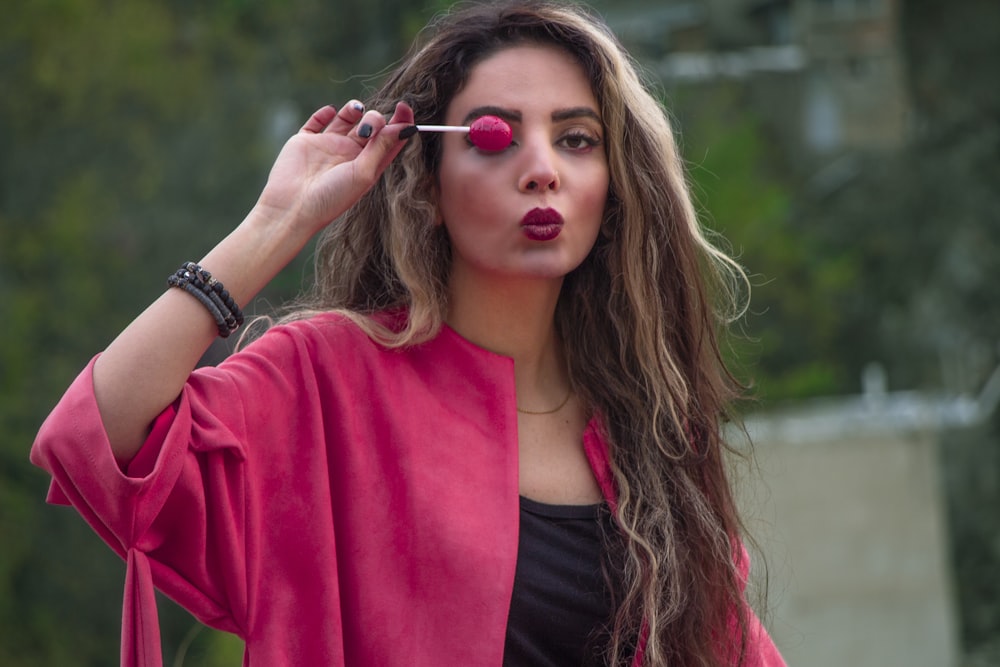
848	151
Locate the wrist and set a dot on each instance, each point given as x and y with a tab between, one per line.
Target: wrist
254	253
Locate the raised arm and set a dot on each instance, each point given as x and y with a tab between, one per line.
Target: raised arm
321	171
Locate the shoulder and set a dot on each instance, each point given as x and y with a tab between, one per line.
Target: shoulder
320	332
326	325
325	344
348	346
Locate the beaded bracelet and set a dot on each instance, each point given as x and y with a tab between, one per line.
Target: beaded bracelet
200	284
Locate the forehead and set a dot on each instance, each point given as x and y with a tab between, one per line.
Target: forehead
526	75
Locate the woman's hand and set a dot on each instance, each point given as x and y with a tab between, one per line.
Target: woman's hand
319	174
330	163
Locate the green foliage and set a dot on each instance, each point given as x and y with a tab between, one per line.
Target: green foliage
135	134
952	225
971	470
197	645
785	346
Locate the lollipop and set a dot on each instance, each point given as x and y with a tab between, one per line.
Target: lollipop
487	133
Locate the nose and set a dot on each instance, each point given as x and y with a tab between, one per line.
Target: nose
539	173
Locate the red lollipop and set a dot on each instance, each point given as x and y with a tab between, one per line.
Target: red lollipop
490	133
487	133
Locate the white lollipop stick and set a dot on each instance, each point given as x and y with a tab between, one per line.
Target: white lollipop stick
442	128
489	133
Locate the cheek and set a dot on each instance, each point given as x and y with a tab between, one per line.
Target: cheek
453	184
455	203
596	198
465	192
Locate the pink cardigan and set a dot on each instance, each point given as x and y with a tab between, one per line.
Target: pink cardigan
330	501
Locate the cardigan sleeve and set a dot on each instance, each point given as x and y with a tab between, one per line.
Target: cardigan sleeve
761	650
182	512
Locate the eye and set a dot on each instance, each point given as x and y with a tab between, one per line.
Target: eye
578	140
487	151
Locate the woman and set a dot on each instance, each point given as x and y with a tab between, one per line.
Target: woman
490	437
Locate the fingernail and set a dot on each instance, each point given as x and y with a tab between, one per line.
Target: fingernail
407	132
358	106
365	131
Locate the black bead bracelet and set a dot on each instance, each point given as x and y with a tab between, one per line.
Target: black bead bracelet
200	284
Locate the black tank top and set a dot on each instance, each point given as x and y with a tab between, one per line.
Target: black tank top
560	605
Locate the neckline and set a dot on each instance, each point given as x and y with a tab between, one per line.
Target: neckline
558	511
446	329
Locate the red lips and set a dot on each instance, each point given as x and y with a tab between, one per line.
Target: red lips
542	224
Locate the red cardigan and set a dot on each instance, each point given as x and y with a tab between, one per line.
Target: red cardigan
328	500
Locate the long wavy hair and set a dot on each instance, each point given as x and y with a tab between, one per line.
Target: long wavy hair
639	320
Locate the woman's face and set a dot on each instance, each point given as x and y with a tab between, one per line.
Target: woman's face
534	209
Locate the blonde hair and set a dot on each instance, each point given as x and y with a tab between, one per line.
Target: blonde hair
637	318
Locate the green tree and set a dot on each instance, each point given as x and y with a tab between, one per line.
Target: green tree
135	134
954	165
785	346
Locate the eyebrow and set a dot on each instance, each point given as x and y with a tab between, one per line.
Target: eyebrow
515	116
575	112
499	112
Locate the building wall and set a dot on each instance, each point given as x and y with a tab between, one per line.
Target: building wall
844	88
854	536
856	79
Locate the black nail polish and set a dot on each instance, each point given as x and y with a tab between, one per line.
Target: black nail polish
407	132
365	131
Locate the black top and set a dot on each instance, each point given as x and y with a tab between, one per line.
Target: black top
560	605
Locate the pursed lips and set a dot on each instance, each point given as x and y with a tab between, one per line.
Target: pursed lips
542	224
